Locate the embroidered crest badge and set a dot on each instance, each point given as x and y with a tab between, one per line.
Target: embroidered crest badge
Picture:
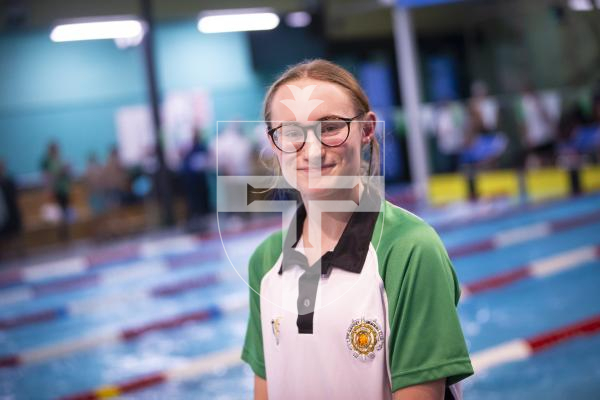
364	337
275	326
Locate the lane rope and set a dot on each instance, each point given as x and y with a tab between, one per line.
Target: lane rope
536	269
87	306
93	279
170	249
227	305
523	234
514	350
123	253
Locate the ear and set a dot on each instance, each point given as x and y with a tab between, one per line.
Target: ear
369	121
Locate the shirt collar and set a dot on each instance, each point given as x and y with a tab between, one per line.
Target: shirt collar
351	250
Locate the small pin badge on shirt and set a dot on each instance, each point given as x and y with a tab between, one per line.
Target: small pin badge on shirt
276	327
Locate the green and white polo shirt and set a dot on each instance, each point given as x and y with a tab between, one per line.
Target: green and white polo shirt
379	315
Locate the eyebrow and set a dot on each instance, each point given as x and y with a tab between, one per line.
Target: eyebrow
324	118
331	116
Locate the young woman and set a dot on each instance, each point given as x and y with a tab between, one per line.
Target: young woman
348	303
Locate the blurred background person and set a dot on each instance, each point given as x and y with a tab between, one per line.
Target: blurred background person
596	124
587	135
194	169
483	110
449	128
57	178
233	151
568	154
10	214
94	180
538	124
115	179
484	144
95	187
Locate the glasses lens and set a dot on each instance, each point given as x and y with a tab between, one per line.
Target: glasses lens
289	137
334	132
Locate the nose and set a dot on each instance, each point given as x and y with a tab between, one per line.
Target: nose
313	148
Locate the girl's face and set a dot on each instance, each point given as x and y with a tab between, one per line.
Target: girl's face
315	169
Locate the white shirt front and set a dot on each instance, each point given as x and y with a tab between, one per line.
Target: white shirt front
301	366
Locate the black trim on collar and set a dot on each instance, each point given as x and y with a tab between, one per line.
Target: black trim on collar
351	250
349	254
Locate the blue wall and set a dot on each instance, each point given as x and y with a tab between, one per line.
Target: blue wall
70	91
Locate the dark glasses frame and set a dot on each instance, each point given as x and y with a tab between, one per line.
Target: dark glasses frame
306	128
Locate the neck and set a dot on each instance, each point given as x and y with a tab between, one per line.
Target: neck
322	227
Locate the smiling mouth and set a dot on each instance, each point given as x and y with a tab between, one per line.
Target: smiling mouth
315	169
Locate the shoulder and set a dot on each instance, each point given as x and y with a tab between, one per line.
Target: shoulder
411	249
411	254
269	248
402	229
265	255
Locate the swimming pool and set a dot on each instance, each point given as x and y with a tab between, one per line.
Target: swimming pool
167	320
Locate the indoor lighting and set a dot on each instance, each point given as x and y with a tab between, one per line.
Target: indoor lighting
93	30
237	21
580	5
298	19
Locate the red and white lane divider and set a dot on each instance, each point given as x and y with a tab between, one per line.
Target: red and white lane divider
190	370
131	272
492	211
168	251
227	305
536	269
520	349
523	234
172	249
87	306
179	246
514	350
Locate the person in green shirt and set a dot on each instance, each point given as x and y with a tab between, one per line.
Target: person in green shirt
357	298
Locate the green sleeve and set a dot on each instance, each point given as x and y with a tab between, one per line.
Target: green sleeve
426	339
261	261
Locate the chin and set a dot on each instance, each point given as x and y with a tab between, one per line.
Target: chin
316	194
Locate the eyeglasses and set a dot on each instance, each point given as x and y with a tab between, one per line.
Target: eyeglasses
290	137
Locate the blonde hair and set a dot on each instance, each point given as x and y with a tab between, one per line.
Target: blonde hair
326	71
